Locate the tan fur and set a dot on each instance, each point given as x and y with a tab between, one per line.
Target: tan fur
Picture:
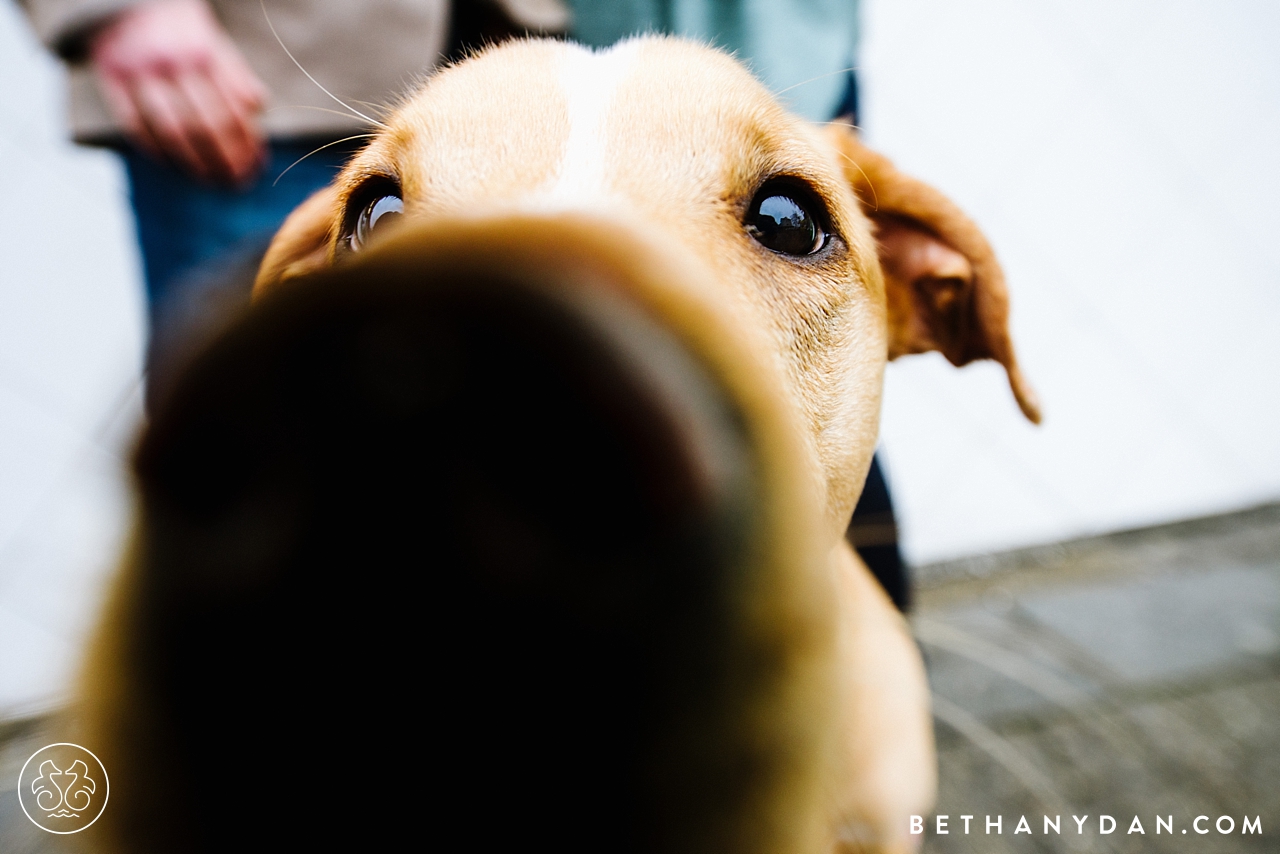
652	199
953	299
790	607
688	136
303	243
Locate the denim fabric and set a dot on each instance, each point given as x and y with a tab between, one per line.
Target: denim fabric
183	224
798	48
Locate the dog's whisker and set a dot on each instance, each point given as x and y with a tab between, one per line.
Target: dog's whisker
372	105
819	77
289	54
875	201
1002	751
321	148
310	107
841	120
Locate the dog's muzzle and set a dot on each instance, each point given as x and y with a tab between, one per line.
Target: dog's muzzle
494	502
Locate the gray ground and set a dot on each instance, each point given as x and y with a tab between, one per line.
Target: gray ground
1134	674
17	834
1128	675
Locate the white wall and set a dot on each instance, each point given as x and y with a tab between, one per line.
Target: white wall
1122	157
70	344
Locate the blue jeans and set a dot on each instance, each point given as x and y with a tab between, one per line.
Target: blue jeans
184	225
201	245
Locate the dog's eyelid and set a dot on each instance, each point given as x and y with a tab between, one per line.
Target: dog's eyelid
788	215
359	215
371	186
810	191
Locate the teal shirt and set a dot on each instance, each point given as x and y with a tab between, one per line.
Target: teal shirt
799	48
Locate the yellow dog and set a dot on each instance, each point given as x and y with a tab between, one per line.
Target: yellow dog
556	404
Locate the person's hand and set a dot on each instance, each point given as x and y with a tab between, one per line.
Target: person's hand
181	90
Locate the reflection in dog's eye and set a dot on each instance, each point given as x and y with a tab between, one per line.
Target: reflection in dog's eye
779	221
378	214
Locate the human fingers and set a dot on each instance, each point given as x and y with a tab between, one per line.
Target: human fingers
245	94
220	129
167	116
239	82
120	103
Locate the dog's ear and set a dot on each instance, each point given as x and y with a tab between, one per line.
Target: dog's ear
302	243
944	288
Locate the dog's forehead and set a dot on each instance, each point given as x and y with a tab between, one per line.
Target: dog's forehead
555	124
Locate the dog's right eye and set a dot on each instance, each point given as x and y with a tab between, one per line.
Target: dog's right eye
378	213
785	219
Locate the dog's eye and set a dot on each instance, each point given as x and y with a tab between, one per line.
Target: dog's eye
782	219
379	213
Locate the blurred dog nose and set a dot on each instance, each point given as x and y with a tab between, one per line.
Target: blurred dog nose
514	463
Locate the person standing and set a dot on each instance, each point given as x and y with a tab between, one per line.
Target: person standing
222	113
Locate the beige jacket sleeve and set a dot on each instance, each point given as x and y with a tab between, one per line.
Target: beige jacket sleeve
63	24
367	53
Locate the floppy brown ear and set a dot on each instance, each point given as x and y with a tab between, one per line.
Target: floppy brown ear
944	288
302	243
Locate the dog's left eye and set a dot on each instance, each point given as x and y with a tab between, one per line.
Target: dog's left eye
379	213
783	219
